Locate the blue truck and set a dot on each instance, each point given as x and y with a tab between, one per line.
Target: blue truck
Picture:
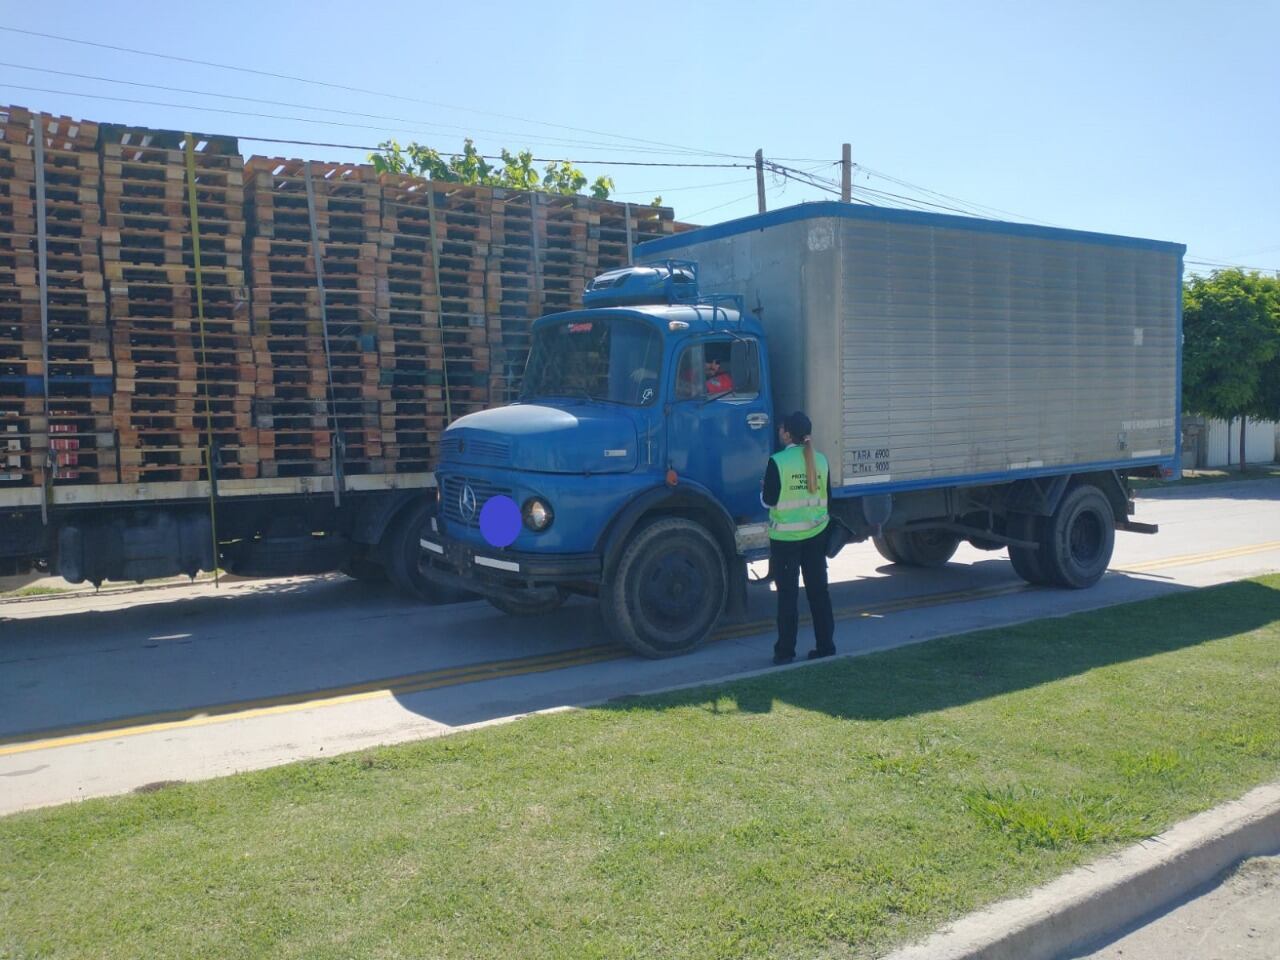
969	380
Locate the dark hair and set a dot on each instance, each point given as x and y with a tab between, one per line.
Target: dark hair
799	428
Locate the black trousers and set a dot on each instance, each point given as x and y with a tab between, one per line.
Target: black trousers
787	560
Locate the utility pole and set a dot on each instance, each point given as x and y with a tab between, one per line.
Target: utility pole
760	178
846	174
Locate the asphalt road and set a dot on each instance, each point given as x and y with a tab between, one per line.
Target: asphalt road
1239	919
103	694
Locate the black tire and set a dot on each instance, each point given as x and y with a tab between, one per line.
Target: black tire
400	552
668	590
924	548
978	543
532	602
1026	560
1080	537
365	569
884	546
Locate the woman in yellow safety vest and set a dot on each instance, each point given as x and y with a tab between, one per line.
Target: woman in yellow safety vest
797	486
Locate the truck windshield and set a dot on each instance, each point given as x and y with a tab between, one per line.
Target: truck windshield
616	359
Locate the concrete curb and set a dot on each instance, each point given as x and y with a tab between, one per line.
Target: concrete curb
1101	899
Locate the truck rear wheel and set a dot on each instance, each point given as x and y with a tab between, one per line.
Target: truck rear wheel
668	590
884	546
922	548
530	602
1026	560
1079	539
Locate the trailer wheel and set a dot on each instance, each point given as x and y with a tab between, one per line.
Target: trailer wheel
668	590
400	551
365	570
924	548
1026	560
1081	535
884	546
531	602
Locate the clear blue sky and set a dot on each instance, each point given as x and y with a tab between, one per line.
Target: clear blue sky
1148	119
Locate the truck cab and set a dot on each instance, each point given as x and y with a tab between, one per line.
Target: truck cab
634	457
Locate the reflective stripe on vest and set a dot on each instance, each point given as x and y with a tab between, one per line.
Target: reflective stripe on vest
798	514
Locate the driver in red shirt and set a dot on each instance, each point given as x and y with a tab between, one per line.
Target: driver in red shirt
718	381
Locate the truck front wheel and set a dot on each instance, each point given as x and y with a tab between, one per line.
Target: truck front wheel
668	590
1079	539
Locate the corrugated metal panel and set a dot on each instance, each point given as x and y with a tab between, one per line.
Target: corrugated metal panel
924	352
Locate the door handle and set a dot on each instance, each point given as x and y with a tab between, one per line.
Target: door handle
757	420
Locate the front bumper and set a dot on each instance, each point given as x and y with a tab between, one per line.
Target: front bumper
455	564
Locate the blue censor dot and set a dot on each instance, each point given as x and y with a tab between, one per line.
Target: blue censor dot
500	521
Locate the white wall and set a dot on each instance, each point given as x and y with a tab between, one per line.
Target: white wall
1224	442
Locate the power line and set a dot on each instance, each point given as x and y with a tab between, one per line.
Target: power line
348	146
946	196
560	141
720	206
362	90
664	190
1222	265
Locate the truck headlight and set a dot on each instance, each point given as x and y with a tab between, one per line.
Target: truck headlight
537	514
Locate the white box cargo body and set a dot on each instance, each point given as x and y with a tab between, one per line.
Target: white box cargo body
933	350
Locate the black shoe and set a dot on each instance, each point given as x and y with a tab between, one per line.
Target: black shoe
819	654
779	660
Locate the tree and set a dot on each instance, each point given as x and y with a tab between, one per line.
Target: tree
1231	326
516	173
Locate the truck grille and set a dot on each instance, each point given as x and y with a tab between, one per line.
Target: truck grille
451	493
473	450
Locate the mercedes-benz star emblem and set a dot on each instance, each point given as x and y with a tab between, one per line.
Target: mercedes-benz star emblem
467	502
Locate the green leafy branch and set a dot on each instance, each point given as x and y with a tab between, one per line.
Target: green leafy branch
516	173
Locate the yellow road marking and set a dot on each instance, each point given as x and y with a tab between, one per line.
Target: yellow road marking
291	703
1193	558
501	669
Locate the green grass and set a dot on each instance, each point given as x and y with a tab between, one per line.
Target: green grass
1196	478
34	591
829	811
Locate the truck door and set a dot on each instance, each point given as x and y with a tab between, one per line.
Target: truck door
720	431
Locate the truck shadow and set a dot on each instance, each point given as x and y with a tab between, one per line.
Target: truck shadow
961	669
302	641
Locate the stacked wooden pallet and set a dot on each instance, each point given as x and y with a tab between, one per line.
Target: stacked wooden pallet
537	266
55	372
435	237
315	323
459	217
614	225
174	375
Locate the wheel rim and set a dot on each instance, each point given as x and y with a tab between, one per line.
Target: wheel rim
1086	538
673	589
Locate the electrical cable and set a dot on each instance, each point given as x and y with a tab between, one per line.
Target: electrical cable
543	139
945	196
718	206
1223	265
362	90
665	190
348	146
